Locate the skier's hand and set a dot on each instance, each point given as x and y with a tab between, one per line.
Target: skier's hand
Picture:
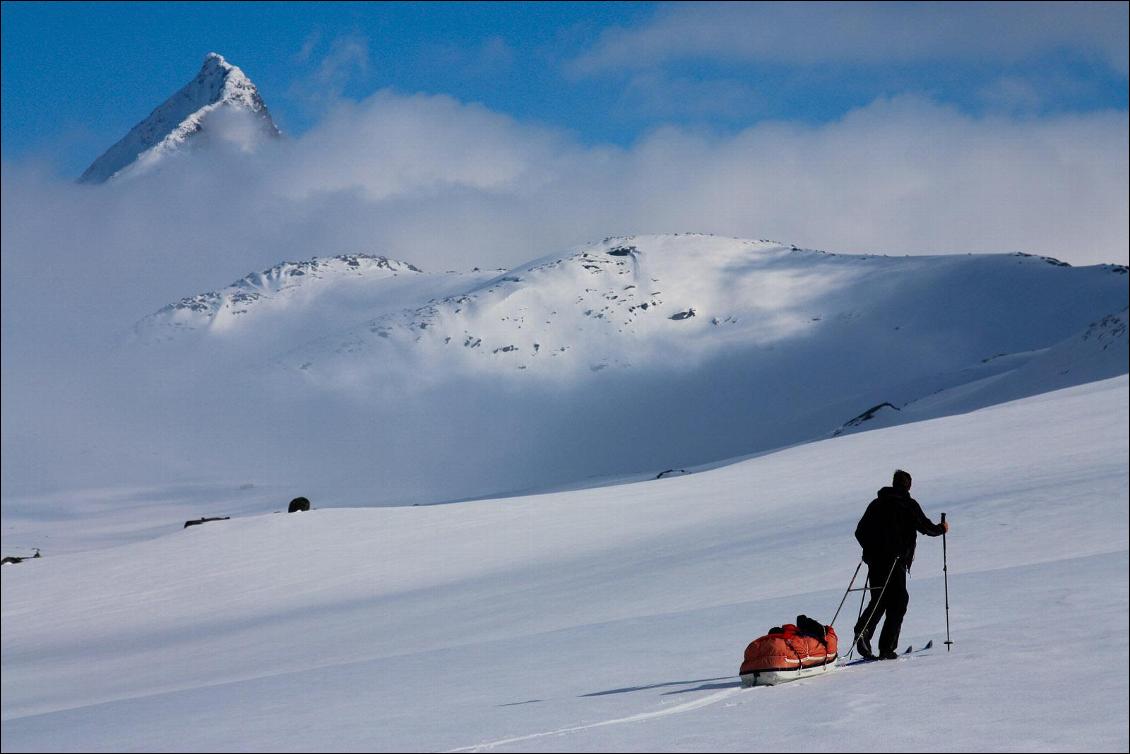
945	526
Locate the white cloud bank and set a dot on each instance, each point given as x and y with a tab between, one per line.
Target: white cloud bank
442	184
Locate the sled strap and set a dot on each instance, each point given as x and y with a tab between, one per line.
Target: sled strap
796	652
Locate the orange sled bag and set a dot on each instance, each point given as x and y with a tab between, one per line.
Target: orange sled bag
790	652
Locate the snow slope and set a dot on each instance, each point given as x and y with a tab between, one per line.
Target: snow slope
610	618
219	89
1093	354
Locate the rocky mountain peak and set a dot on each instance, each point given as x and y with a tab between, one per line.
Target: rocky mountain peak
174	124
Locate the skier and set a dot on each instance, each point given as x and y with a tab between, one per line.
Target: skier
887	532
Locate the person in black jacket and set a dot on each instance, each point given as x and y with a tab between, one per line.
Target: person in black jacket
888	532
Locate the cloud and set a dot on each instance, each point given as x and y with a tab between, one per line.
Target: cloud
445	184
1033	93
655	94
306	52
862	33
1012	94
391	146
347	60
904	175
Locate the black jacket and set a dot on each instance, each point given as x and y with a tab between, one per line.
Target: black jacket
890	527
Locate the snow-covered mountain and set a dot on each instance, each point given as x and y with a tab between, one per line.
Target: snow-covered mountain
219	90
676	300
826	336
618	359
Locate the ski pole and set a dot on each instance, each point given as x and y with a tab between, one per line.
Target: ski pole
846	592
946	577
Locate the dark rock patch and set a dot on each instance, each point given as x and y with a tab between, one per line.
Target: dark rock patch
866	416
1050	260
13	559
199	521
670	472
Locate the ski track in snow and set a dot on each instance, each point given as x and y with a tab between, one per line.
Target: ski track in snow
699	703
674	710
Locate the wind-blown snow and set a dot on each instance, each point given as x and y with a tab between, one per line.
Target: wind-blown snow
610	618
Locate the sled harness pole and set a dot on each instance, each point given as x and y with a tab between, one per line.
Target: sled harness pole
946	576
850	585
874	607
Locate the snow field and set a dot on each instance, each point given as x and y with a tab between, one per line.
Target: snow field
609	618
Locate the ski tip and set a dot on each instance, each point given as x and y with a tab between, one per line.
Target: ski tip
929	644
909	649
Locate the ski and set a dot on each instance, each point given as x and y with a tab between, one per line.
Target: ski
908	652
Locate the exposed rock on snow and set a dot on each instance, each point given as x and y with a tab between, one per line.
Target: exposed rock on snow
866	416
670	473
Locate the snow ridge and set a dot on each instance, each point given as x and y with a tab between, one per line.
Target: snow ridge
204	310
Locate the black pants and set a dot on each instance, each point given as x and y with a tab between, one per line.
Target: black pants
892	604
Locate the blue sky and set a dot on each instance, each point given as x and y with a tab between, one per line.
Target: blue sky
77	76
